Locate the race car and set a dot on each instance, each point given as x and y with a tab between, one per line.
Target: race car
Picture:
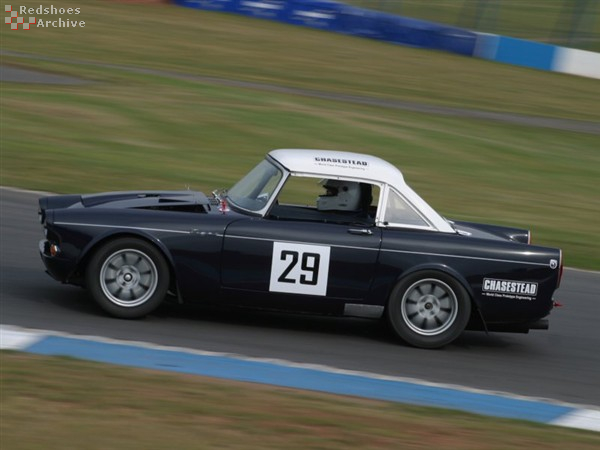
312	231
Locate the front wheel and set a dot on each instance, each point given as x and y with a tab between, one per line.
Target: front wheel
429	309
128	278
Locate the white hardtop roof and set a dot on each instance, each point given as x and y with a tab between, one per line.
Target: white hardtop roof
331	163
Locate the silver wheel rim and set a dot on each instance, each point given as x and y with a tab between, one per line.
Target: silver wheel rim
128	278
429	307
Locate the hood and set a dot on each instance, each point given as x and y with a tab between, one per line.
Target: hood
168	200
143	199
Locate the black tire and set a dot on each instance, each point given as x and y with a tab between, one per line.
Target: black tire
128	278
429	309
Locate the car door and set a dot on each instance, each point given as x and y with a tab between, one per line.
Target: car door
290	264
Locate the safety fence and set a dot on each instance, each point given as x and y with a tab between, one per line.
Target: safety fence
343	18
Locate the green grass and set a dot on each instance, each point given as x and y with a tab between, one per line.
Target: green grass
132	131
54	403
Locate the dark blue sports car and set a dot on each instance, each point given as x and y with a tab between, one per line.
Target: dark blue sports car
306	230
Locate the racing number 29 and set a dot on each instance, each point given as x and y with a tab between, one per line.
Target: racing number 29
309	266
299	268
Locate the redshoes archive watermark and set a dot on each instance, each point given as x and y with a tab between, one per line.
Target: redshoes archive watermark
26	18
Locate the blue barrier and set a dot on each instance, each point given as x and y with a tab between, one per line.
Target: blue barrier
265	9
525	53
518	52
406	31
457	40
361	22
487	46
321	14
211	5
339	17
424	34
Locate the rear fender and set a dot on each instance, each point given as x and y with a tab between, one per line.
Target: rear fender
440	268
445	269
476	316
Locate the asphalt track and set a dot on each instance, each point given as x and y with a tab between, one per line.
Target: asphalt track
562	363
19	75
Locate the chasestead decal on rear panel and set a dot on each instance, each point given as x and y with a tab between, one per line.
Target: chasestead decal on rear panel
520	290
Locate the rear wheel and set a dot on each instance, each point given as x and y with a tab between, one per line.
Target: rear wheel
429	309
128	278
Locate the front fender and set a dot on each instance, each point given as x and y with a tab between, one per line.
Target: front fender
101	239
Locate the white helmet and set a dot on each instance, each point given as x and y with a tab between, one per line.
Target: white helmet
340	196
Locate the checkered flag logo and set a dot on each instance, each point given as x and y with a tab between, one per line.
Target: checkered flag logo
14	20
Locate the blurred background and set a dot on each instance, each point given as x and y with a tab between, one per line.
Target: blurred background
162	96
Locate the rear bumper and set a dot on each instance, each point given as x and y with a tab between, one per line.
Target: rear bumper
540	324
523	327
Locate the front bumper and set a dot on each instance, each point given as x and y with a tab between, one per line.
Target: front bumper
58	267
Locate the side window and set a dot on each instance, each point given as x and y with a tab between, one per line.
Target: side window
299	191
315	199
398	211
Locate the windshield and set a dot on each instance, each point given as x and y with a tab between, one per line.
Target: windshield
254	190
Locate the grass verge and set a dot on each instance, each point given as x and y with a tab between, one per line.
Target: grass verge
49	402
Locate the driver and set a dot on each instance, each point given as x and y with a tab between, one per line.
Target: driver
340	195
